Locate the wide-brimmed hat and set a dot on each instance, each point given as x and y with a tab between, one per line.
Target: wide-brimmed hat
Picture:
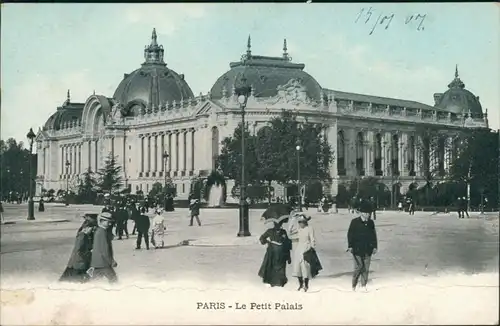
301	218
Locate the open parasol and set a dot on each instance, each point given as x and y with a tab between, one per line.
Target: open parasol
277	213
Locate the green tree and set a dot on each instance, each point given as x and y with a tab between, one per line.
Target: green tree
110	179
14	167
475	163
86	188
229	160
277	153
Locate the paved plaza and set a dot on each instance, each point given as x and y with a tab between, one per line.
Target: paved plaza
426	247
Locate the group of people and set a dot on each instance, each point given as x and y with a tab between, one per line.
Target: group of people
297	247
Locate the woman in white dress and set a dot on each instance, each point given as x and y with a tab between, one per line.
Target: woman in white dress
158	230
303	267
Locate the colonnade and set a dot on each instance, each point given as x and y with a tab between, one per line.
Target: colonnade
178	144
71	153
389	153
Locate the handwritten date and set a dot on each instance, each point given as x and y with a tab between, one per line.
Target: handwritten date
365	16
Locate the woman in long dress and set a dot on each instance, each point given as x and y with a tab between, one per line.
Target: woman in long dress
158	231
79	261
273	268
306	264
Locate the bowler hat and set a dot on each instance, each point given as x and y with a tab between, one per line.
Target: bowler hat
363	206
302	218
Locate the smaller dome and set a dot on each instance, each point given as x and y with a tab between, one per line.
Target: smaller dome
67	113
459	100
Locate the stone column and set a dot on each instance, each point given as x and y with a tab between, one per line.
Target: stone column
155	153
418	156
350	152
181	152
404	154
189	150
148	153
168	149
387	153
91	155
331	134
142	167
174	148
370	153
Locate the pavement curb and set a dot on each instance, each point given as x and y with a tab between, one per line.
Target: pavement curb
36	221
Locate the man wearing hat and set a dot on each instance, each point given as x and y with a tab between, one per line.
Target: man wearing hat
362	242
102	262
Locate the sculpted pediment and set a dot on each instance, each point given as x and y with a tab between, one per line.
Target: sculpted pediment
293	92
208	108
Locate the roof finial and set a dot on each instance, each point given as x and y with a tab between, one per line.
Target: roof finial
456	71
285	49
94	92
153	37
68	96
249	47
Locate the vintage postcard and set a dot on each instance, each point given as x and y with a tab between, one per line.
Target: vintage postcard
249	163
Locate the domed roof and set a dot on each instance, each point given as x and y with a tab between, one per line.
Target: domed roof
265	75
67	113
153	84
458	100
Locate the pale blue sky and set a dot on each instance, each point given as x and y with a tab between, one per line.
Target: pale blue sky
49	48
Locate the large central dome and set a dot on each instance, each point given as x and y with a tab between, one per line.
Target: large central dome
265	75
153	84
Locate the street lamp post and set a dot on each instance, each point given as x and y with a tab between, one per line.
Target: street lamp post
165	159
68	164
298	148
243	92
31	205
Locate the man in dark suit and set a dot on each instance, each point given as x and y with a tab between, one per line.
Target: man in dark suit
362	242
143	223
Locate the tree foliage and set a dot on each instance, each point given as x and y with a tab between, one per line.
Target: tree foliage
476	162
110	178
271	154
86	190
14	167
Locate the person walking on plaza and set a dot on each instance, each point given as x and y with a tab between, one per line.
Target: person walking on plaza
102	263
464	207
194	207
373	213
158	230
411	207
273	267
2	220
79	261
305	262
143	224
362	243
459	207
121	216
41	205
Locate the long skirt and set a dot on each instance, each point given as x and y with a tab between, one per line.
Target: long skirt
300	267
157	238
74	275
273	268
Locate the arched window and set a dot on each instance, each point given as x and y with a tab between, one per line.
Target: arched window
341	153
441	156
378	155
411	155
395	155
426	151
360	154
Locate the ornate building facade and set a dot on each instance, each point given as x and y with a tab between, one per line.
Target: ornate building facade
154	111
